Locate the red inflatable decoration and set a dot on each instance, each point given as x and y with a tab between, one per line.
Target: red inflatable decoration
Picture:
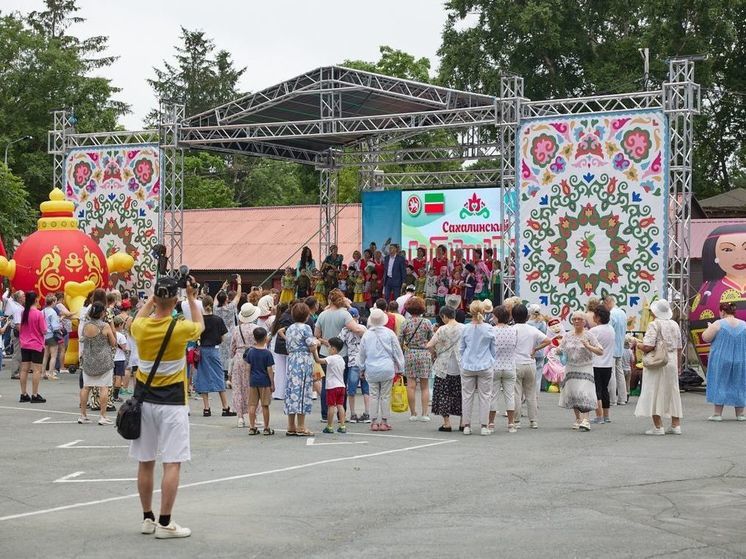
60	257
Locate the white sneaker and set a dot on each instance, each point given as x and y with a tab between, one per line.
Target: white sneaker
425	418
84	419
655	431
173	530
585	425
534	425
575	426
413	418
485	431
715	418
512	429
148	526
741	418
674	430
241	422
104	421
467	430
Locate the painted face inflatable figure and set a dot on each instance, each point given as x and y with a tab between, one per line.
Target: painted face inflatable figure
724	275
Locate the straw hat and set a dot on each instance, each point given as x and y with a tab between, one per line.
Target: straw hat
661	309
266	305
249	313
377	317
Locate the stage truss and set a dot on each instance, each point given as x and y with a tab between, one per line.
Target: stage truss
333	118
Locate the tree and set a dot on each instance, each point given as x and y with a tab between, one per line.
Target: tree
204	186
198	79
17	215
580	47
44	68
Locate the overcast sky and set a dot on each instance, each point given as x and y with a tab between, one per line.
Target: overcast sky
275	40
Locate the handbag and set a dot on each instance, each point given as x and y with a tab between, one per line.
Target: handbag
129	416
657	358
399	401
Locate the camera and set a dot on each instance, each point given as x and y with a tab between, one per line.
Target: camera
183	278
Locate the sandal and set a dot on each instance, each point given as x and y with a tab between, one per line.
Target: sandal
253	431
305	433
268	432
206	413
444	429
290	433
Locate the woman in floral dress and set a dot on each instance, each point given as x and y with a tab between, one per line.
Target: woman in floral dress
298	340
414	336
579	389
447	368
242	339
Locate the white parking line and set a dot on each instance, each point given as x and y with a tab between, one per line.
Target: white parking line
72	478
74	444
38	410
48	421
312	442
229	478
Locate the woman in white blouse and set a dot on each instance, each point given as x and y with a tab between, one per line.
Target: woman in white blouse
447	368
579	389
503	374
659	396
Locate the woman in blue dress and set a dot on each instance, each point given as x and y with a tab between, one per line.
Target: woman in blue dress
726	367
298	340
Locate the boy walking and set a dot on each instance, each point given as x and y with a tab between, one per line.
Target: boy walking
261	380
335	384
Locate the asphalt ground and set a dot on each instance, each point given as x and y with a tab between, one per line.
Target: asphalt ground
68	490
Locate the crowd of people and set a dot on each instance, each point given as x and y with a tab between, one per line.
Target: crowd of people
372	274
304	343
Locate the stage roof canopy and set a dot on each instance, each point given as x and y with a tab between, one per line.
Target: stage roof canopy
303	118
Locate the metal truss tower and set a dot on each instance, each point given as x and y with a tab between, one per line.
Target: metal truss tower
508	120
171	211
681	101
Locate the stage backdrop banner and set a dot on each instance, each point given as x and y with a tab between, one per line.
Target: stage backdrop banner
116	193
458	218
592	210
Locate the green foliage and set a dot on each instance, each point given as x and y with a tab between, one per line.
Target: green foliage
198	79
204	185
579	47
17	216
44	69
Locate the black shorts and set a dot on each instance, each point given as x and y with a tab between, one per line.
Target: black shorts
119	368
32	356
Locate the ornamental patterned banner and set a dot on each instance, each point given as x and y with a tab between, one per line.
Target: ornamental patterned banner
116	192
592	211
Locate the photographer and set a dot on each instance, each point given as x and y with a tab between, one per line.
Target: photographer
165	413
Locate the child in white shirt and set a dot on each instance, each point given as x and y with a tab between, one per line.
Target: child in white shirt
335	384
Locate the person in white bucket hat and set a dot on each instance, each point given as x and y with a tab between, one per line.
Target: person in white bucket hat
659	396
241	339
